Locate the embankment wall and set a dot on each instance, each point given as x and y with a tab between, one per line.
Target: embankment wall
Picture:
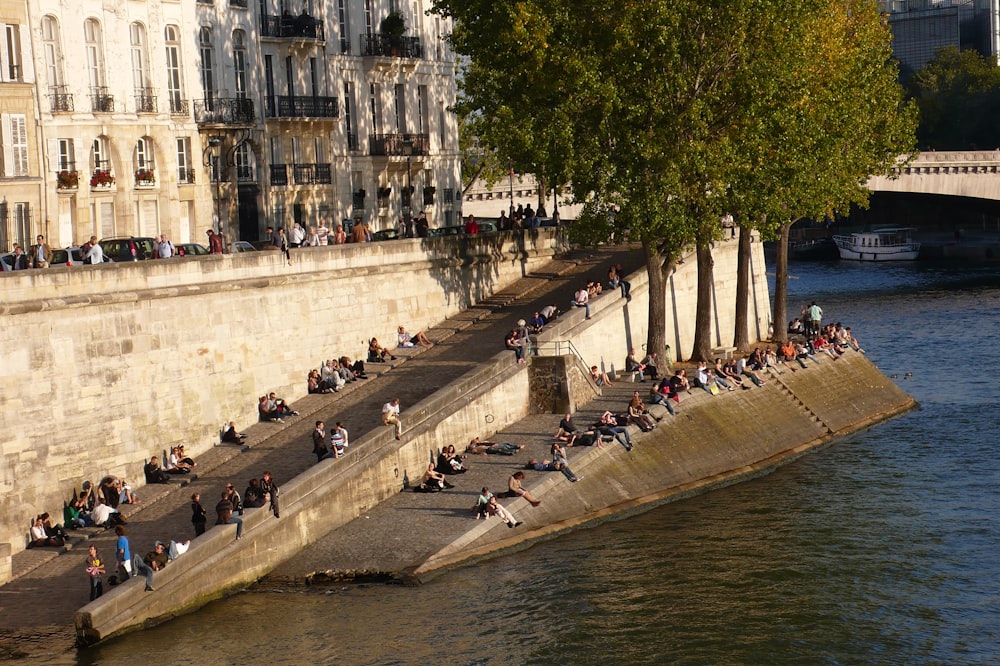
107	365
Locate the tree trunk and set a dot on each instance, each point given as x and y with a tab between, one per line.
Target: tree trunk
657	270
702	348
741	336
780	317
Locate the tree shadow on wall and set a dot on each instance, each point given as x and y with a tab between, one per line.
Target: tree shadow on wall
468	268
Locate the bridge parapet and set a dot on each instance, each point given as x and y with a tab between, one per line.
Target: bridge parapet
964	173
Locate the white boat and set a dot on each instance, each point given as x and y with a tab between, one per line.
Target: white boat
895	244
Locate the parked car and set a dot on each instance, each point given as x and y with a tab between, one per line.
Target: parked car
131	248
385	234
61	257
444	231
487	227
191	250
242	246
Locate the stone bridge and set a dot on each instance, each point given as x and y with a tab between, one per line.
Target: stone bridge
973	174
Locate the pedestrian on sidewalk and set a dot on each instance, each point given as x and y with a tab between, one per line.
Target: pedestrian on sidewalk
95	572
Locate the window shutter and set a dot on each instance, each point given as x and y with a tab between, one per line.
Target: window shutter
27	62
8	144
4	64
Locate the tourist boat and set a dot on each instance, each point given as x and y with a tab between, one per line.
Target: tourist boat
895	244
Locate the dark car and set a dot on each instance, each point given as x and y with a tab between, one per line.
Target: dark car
385	234
444	231
191	250
131	248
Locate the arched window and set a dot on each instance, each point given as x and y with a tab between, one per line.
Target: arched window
240	62
144	153
93	44
207	63
52	48
175	87
140	59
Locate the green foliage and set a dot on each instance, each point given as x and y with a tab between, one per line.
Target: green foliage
959	98
393	25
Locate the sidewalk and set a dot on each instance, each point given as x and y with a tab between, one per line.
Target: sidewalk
49	585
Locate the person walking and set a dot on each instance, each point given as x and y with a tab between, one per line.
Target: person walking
95	572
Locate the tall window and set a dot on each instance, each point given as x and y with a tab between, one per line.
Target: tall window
140	60
52	49
100	154
319	150
345	37
185	174
92	39
399	99
13	70
64	157
240	62
422	109
368	18
15	144
207	62
352	135
244	163
175	88
276	156
375	111
144	154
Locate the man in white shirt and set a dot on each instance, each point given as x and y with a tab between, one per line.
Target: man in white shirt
102	512
298	236
95	253
390	416
582	300
164	248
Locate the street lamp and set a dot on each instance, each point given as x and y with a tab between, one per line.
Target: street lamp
215	142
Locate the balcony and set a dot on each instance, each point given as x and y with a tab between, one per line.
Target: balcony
301	27
145	100
178	106
185	176
101	101
303	107
312	174
223	111
398	144
390	46
279	174
60	101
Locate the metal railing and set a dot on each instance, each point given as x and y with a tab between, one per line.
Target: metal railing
301	106
224	111
391	46
178	106
101	101
185	176
302	26
352	141
60	100
555	348
145	100
279	174
398	144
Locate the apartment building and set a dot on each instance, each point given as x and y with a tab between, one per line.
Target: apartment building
22	216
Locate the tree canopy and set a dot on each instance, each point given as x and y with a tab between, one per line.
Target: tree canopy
666	115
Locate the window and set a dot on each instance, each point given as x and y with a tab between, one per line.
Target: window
352	133
15	144
289	76
319	150
100	155
240	63
368	19
244	163
12	70
399	97
185	174
64	155
207	63
144	154
52	50
375	111
175	88
276	156
269	84
92	38
345	42
140	60
442	130
22	223
422	110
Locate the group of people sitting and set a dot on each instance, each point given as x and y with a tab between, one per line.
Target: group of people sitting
335	374
175	463
274	409
449	463
616	280
338	441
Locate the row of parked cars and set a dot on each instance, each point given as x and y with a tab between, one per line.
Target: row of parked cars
131	248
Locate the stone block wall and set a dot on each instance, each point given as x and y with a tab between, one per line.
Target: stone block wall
108	365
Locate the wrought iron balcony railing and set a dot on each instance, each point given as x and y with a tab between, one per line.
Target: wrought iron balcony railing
313	174
302	26
145	100
224	111
178	106
101	101
185	176
303	107
279	174
60	100
391	46
398	144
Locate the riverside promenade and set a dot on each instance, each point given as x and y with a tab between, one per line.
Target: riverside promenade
49	585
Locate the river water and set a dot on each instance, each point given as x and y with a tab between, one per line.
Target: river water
882	548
